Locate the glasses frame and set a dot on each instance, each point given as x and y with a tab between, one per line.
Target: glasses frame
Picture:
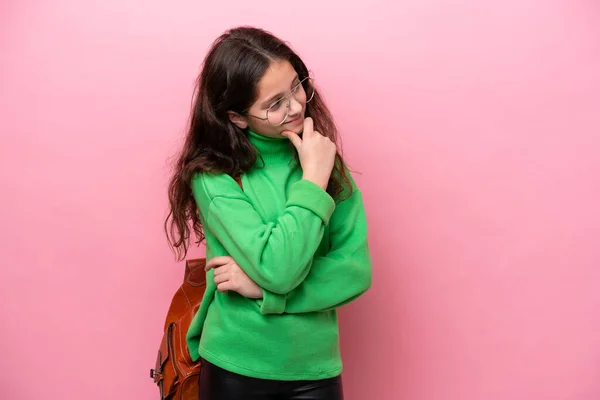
311	83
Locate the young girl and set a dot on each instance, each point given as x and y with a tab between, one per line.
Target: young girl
261	180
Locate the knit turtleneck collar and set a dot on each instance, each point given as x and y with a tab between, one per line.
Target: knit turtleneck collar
272	150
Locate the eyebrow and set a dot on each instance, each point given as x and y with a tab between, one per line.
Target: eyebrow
267	102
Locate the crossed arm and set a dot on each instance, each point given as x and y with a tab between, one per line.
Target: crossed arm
282	274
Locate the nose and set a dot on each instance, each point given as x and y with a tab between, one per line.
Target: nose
295	106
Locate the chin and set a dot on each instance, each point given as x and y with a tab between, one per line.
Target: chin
296	126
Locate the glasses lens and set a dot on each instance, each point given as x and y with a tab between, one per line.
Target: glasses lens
309	89
278	112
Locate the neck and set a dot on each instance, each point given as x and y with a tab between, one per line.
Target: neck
272	150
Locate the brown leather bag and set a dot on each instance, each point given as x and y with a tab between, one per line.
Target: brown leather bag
175	373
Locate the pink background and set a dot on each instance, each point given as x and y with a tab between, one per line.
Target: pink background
475	126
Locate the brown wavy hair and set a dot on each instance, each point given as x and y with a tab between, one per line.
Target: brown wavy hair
234	65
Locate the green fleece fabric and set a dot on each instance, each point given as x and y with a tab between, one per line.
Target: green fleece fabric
308	254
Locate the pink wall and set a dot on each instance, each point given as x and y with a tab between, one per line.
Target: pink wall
475	126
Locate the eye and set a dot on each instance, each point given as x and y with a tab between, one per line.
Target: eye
275	106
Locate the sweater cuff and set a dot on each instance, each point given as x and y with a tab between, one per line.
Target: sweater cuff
271	303
312	197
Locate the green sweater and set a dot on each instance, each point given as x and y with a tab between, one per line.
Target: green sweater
308	254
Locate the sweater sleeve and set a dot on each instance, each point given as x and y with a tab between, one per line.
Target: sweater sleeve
276	255
336	278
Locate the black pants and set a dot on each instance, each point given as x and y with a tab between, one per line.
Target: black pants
219	384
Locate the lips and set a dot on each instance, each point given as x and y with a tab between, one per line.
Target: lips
293	121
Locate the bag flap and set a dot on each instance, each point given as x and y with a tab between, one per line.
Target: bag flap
194	272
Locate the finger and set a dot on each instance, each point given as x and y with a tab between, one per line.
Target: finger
221	270
225	287
294	138
217	261
222	278
308	127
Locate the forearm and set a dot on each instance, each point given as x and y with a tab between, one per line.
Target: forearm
337	278
331	283
278	254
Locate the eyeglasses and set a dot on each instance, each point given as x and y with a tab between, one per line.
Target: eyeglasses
278	112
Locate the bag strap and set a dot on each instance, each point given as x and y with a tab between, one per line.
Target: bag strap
238	180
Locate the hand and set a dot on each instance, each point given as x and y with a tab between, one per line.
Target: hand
229	276
316	153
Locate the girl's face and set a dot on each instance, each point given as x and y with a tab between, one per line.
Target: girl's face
278	87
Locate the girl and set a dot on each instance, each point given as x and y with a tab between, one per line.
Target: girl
261	180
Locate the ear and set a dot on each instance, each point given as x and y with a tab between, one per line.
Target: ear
237	119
